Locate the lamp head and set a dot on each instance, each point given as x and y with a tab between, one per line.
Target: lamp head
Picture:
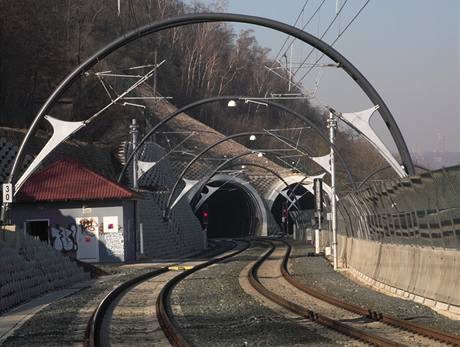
231	103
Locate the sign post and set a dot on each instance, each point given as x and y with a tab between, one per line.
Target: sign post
7	198
318	189
7	193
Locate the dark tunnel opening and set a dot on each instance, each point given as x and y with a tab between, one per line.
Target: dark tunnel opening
230	212
306	202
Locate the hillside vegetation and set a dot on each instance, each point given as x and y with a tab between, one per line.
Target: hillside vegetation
42	41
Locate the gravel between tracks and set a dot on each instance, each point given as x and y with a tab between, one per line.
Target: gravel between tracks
213	310
63	323
317	273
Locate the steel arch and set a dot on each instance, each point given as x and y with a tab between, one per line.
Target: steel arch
227	138
189	19
228	98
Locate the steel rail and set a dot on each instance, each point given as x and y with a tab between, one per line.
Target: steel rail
309	314
94	327
165	318
377	316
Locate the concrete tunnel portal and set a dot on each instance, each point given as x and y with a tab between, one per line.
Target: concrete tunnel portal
305	201
231	207
235	209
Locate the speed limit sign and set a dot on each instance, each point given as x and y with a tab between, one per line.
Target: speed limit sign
7	192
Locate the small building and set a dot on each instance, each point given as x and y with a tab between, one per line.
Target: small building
79	212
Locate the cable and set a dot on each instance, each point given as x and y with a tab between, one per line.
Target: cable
287	38
322	36
305	25
332	44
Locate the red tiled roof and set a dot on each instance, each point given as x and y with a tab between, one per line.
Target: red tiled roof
66	180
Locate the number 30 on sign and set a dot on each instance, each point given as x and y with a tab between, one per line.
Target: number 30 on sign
7	192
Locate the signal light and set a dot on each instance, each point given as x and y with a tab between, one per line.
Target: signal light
205	215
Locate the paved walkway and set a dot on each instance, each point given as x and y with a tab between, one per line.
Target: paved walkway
14	319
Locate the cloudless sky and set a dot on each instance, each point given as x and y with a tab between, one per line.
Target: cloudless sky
409	50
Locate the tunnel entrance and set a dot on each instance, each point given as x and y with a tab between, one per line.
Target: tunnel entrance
229	212
306	201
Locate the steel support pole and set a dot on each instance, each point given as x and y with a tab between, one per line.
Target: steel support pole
134	134
332	125
318	233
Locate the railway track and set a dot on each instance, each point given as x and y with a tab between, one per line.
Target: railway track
358	323
165	316
271	278
369	313
99	325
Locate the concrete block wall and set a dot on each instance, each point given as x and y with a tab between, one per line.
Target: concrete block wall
180	236
429	276
31	268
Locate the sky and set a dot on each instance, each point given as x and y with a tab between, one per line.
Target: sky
409	50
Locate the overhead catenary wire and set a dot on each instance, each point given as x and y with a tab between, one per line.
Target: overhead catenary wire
306	24
287	38
322	36
332	44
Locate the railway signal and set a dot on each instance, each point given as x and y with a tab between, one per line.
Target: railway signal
318	189
205	217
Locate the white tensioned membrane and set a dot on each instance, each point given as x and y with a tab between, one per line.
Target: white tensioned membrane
153	167
143	167
61	132
323	161
361	121
278	187
188	186
205	196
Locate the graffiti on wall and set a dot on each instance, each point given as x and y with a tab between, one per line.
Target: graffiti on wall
64	238
88	238
78	240
82	239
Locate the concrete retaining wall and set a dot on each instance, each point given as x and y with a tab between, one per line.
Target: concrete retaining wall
426	275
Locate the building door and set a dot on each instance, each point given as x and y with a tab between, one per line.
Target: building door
38	229
88	239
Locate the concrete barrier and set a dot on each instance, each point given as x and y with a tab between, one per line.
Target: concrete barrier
430	276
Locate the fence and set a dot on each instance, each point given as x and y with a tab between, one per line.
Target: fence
419	210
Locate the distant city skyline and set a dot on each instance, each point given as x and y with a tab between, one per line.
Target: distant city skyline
409	50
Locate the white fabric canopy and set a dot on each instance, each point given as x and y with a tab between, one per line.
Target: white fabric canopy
61	132
188	185
361	121
144	166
